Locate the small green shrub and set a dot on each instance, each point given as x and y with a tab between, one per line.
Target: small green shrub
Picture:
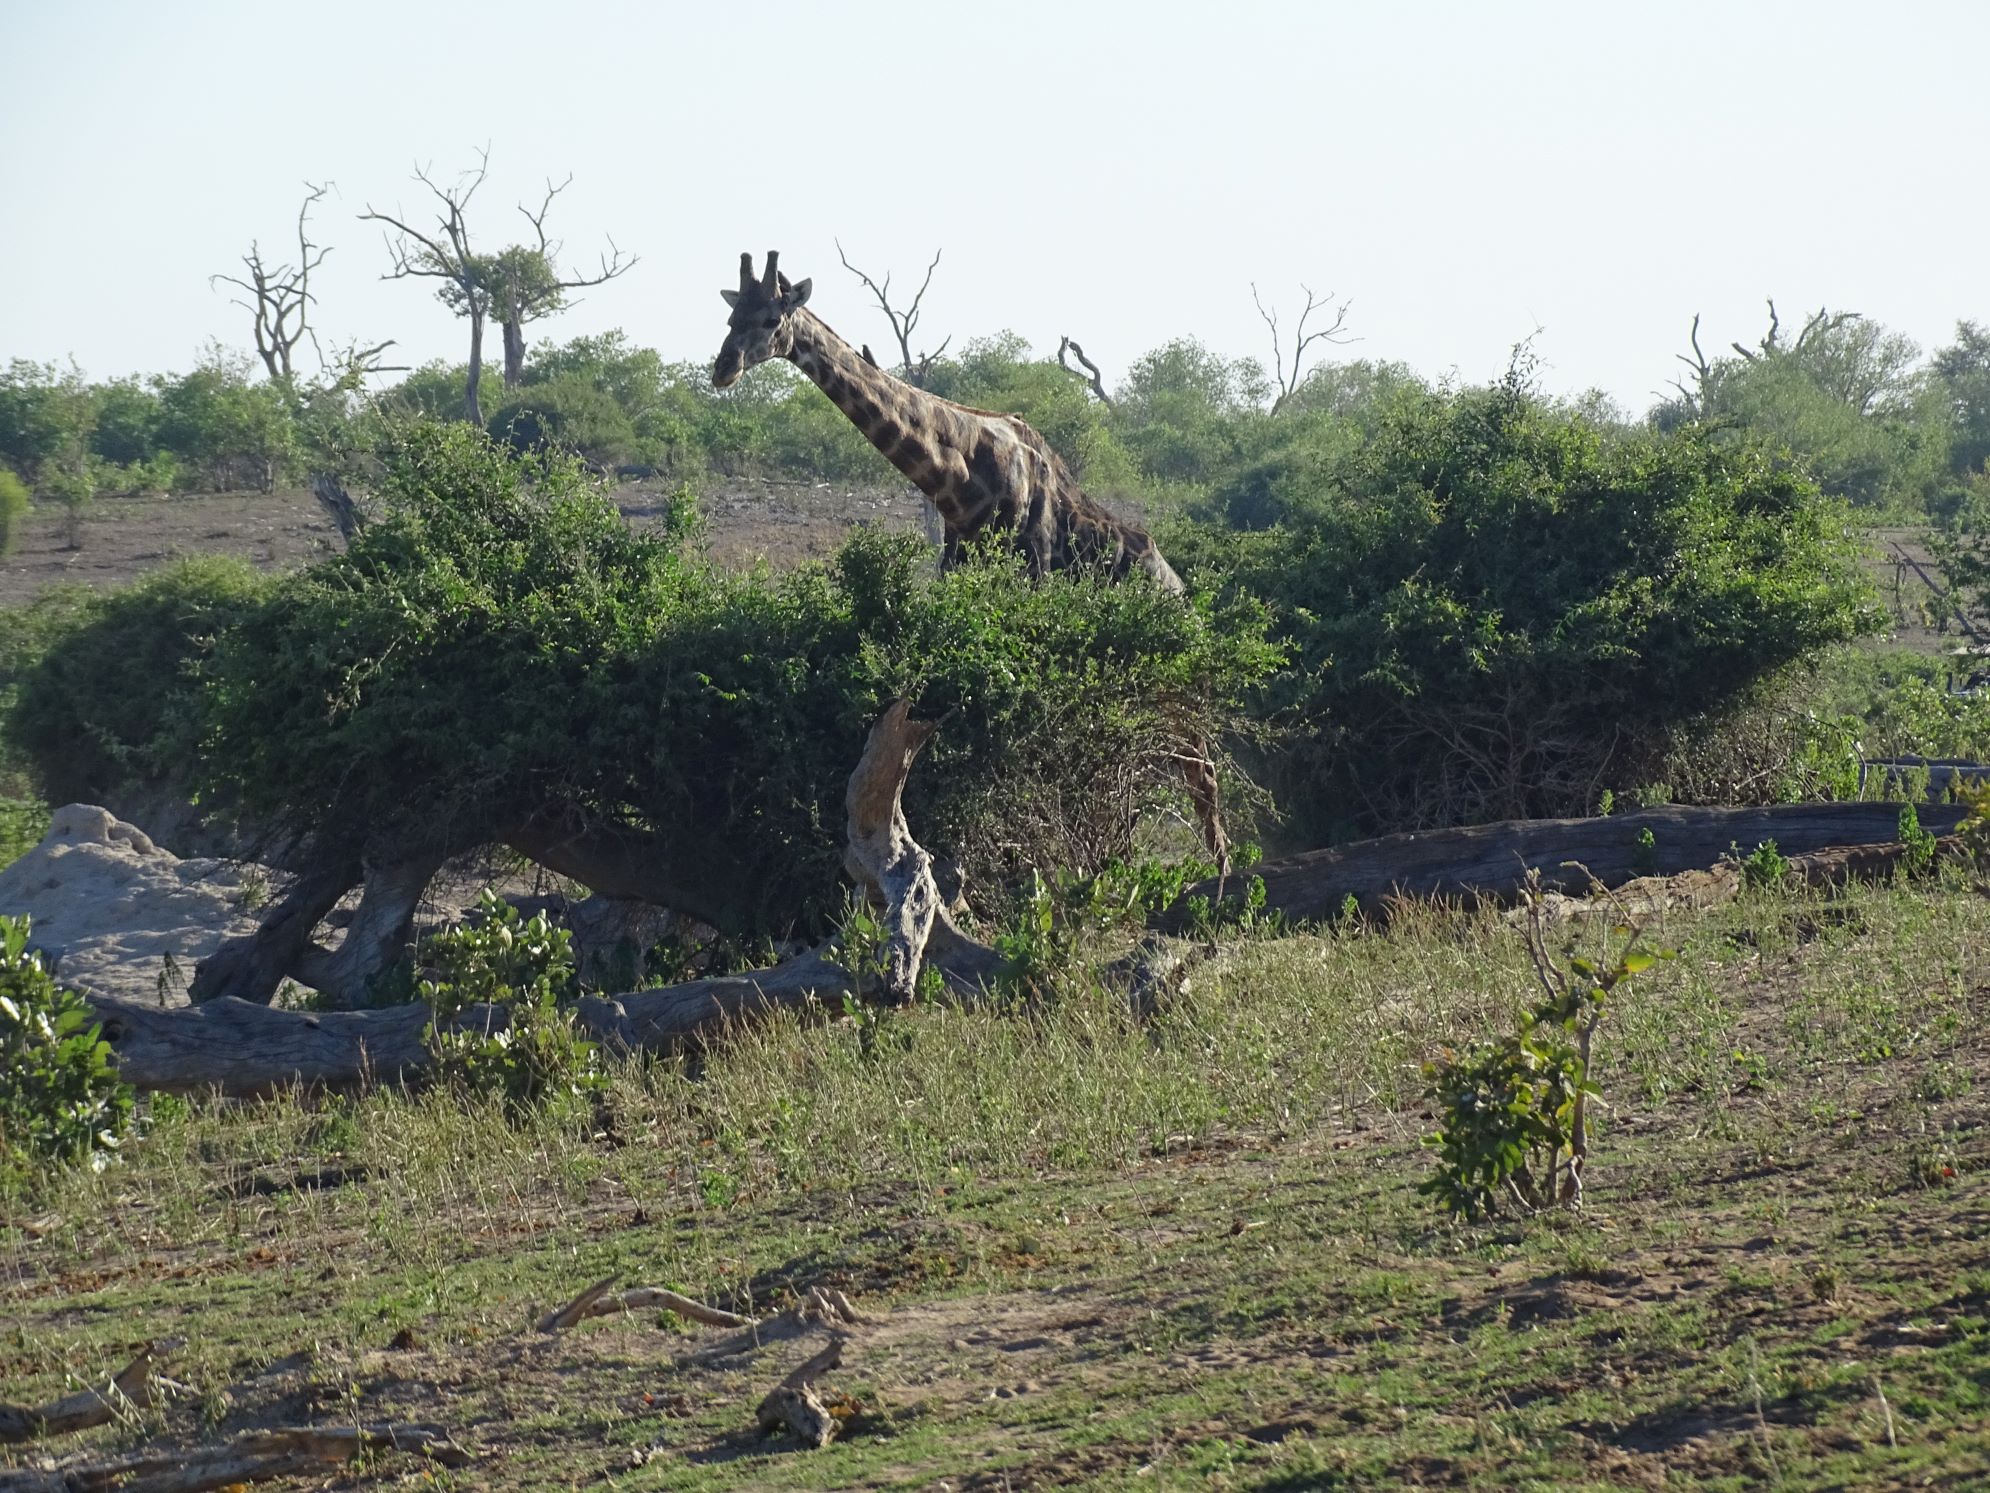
1513	1111
60	1097
535	1053
496	956
13	509
1764	866
1921	845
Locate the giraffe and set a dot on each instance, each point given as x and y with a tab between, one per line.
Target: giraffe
984	472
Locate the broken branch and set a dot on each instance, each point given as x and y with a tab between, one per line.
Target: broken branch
129	1388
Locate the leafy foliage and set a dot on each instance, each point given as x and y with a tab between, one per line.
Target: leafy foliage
13	509
535	1052
22	824
1764	866
1512	1111
1494	605
101	681
60	1097
499	642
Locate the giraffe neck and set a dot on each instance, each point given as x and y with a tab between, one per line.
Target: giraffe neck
922	435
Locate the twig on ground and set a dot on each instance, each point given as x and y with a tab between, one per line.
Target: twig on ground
596	1302
130	1387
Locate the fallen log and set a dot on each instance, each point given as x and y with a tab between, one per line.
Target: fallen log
243	1048
1489	863
596	1301
259	1456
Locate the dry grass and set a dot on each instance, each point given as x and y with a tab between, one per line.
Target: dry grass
1187	1253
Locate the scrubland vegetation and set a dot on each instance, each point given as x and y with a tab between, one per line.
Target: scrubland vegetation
1185	1245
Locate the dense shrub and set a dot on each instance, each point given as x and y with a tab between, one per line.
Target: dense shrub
95	687
1494	610
1801	733
500	641
60	1096
566	414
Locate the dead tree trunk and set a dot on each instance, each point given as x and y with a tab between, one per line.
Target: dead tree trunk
253	966
1489	862
382	930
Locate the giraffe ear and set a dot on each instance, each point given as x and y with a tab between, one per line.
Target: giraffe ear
796	296
730	297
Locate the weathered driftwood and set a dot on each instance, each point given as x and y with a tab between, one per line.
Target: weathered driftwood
793	1405
259	1456
1489	862
243	1048
129	1388
597	1301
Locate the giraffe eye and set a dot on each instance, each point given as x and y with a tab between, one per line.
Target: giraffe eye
771	322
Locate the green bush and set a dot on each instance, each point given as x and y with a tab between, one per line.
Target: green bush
13	510
1801	734
101	683
567	414
525	965
23	822
499	642
1494	607
60	1097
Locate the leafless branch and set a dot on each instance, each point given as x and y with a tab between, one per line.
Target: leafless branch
1696	397
453	262
447	258
280	295
913	370
1091	369
612	263
1290	377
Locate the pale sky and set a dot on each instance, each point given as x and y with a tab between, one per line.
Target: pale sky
1462	172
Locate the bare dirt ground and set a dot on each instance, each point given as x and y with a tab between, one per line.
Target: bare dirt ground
1922	621
747	521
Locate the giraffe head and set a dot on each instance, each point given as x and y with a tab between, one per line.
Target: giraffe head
761	325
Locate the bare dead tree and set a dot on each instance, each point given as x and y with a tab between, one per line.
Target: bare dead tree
527	283
445	255
1822	322
1290	373
1695	398
1090	375
280	294
914	370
